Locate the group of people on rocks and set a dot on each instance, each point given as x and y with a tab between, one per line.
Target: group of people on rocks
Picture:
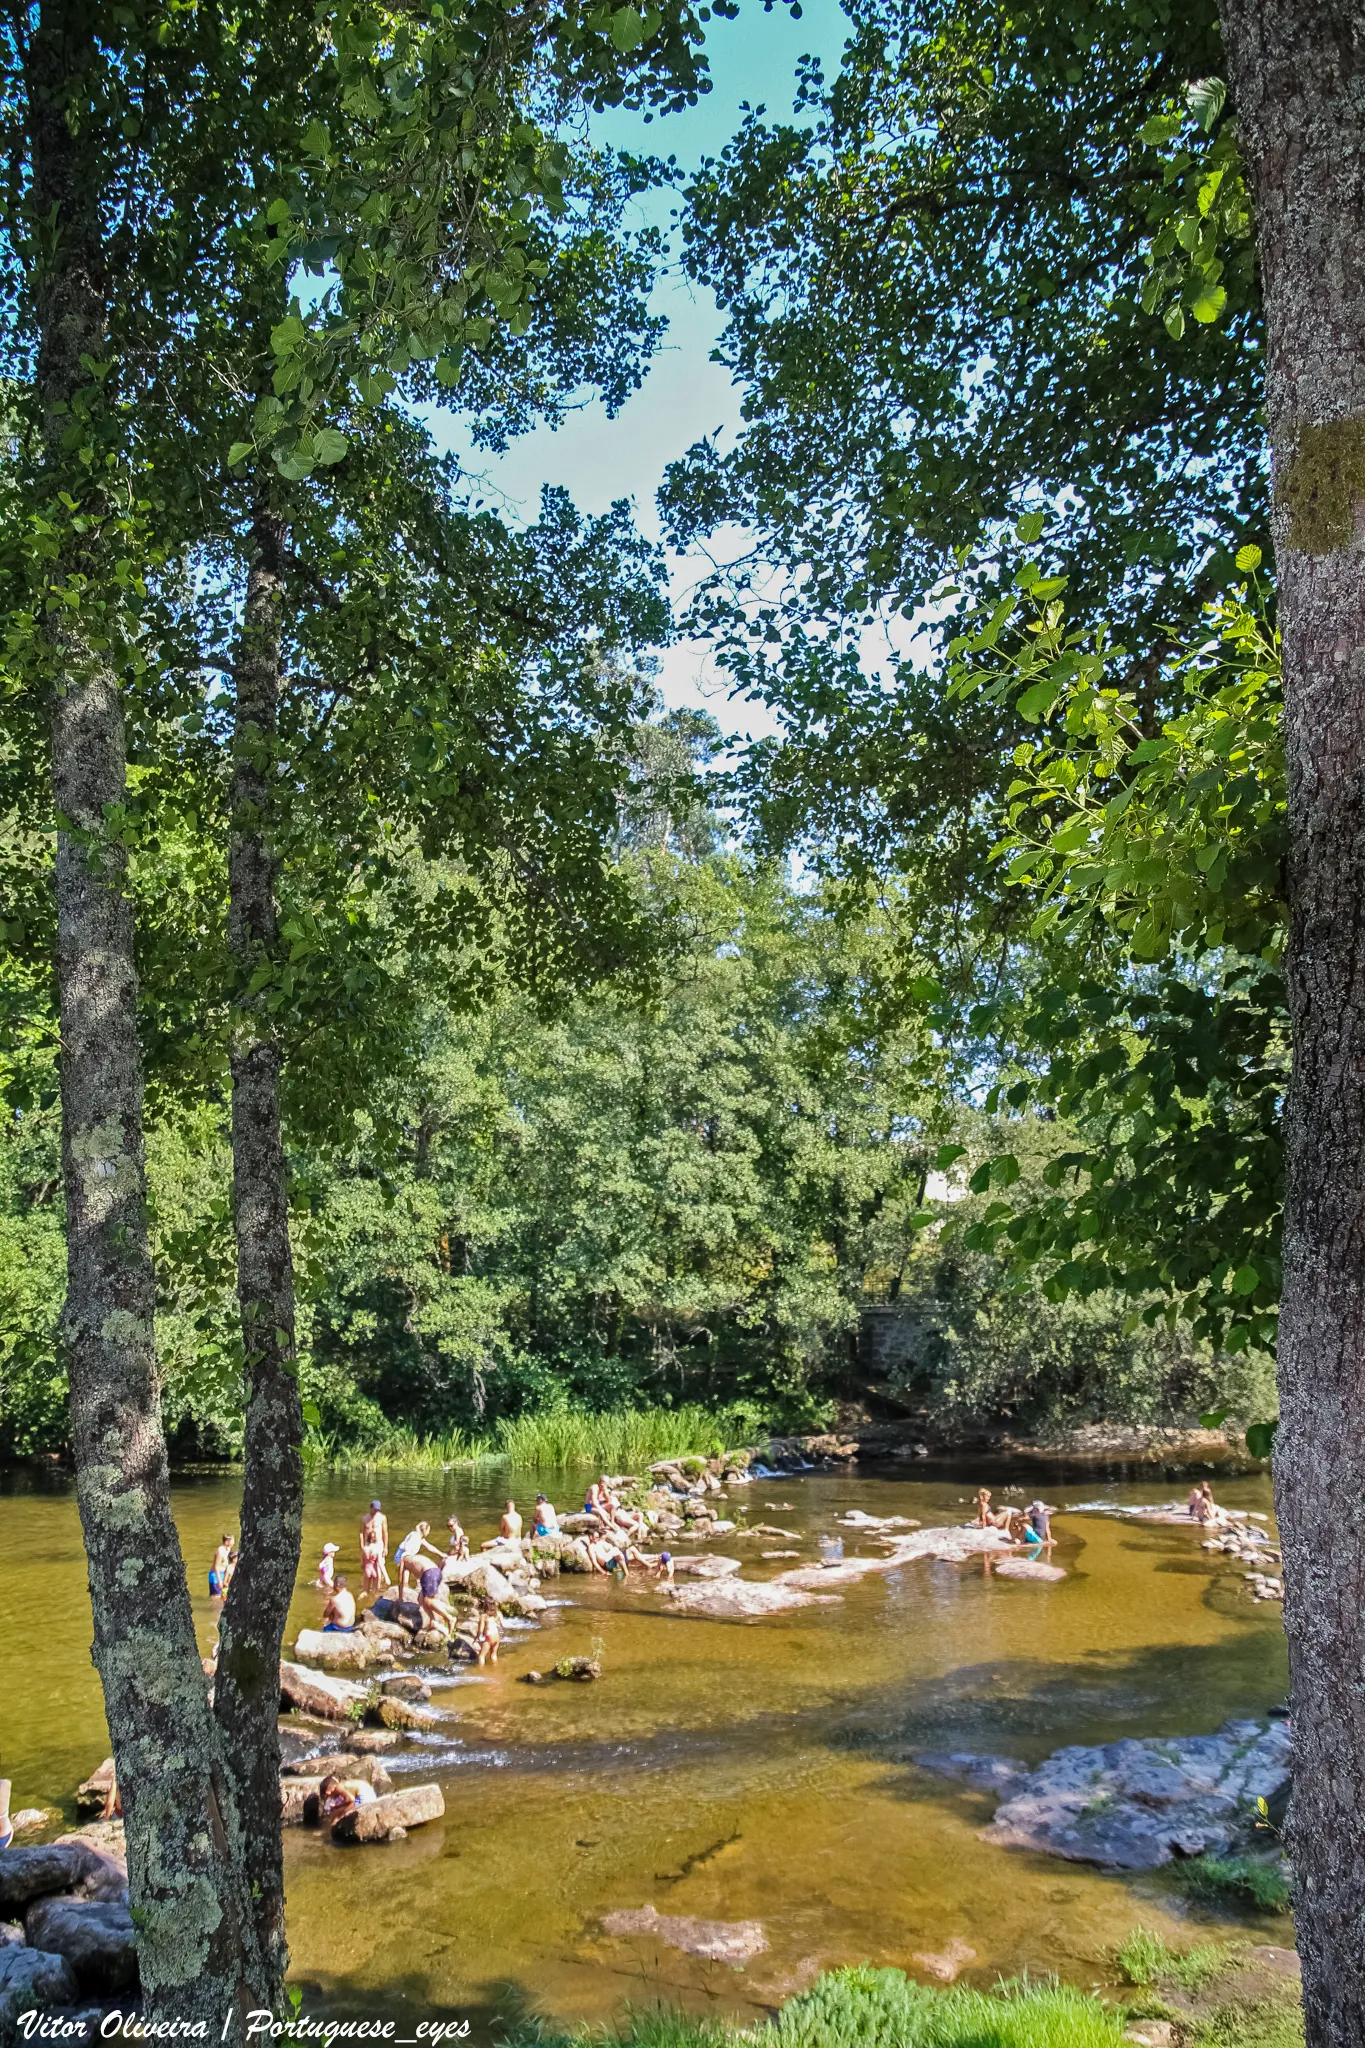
1031	1526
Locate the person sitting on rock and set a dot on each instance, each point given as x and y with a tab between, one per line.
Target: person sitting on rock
510	1525
602	1552
408	1556
338	1616
1204	1507
1038	1526
988	1517
437	1613
327	1565
459	1542
340	1796
547	1521
488	1634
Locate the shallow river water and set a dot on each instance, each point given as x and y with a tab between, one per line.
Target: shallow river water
729	1770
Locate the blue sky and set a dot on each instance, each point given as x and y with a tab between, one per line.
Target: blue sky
685	395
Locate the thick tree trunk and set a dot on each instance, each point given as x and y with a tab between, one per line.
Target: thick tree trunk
1297	70
247	1695
195	1941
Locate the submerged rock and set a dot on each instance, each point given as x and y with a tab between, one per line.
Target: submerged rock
719	1941
949	1963
1133	1805
1027	1568
707	1567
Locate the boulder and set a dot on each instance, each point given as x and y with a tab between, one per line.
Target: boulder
372	1741
1133	1805
95	1935
480	1575
30	1817
707	1567
34	1873
95	1796
394	1714
1027	1568
406	1685
317	1692
344	1652
383	1817
105	1837
29	1978
381	1630
299	1802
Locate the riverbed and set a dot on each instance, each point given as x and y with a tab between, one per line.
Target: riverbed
733	1771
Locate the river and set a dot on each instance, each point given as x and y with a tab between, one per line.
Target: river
728	1770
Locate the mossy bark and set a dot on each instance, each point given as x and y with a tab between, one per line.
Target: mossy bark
247	1695
1297	70
197	1949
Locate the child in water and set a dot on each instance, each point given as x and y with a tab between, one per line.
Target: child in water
488	1634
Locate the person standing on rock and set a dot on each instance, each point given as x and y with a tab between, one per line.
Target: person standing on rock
437	1613
408	1560
489	1632
374	1549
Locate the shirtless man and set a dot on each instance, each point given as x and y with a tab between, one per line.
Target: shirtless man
374	1548
218	1569
338	1616
510	1525
547	1521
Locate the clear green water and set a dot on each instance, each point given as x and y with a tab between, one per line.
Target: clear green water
731	1771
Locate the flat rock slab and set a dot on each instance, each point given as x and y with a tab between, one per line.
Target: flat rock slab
32	1977
343	1763
396	1811
96	1936
707	1567
742	1599
1026	1568
952	1546
719	1941
34	1873
1132	1805
856	1519
354	1652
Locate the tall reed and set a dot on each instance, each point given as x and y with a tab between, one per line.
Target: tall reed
620	1440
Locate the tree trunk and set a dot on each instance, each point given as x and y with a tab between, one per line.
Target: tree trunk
195	1942
247	1694
1297	69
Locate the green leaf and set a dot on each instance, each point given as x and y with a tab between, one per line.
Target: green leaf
316	139
1214	1418
1261	1438
1175	322
948	1155
238	452
1030	527
626	29
1037	701
329	445
1245	1280
1209	305
1248	558
312	1414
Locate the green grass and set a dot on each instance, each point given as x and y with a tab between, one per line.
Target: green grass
1249	1881
1144	1959
871	2008
1270	2023
620	1440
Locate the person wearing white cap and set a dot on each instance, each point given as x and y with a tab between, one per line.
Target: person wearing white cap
327	1567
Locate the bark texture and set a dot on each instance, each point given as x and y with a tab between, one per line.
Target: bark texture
247	1693
196	1945
1297	70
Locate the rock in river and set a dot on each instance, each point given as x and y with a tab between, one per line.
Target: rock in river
707	1567
28	1874
31	1977
344	1652
1132	1805
95	1935
315	1692
391	1815
719	1941
1027	1568
742	1599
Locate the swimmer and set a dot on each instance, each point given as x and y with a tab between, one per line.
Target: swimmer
338	1616
408	1556
217	1570
327	1564
510	1525
374	1548
546	1521
488	1634
340	1796
436	1612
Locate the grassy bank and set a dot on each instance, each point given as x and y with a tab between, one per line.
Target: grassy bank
872	2008
620	1440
